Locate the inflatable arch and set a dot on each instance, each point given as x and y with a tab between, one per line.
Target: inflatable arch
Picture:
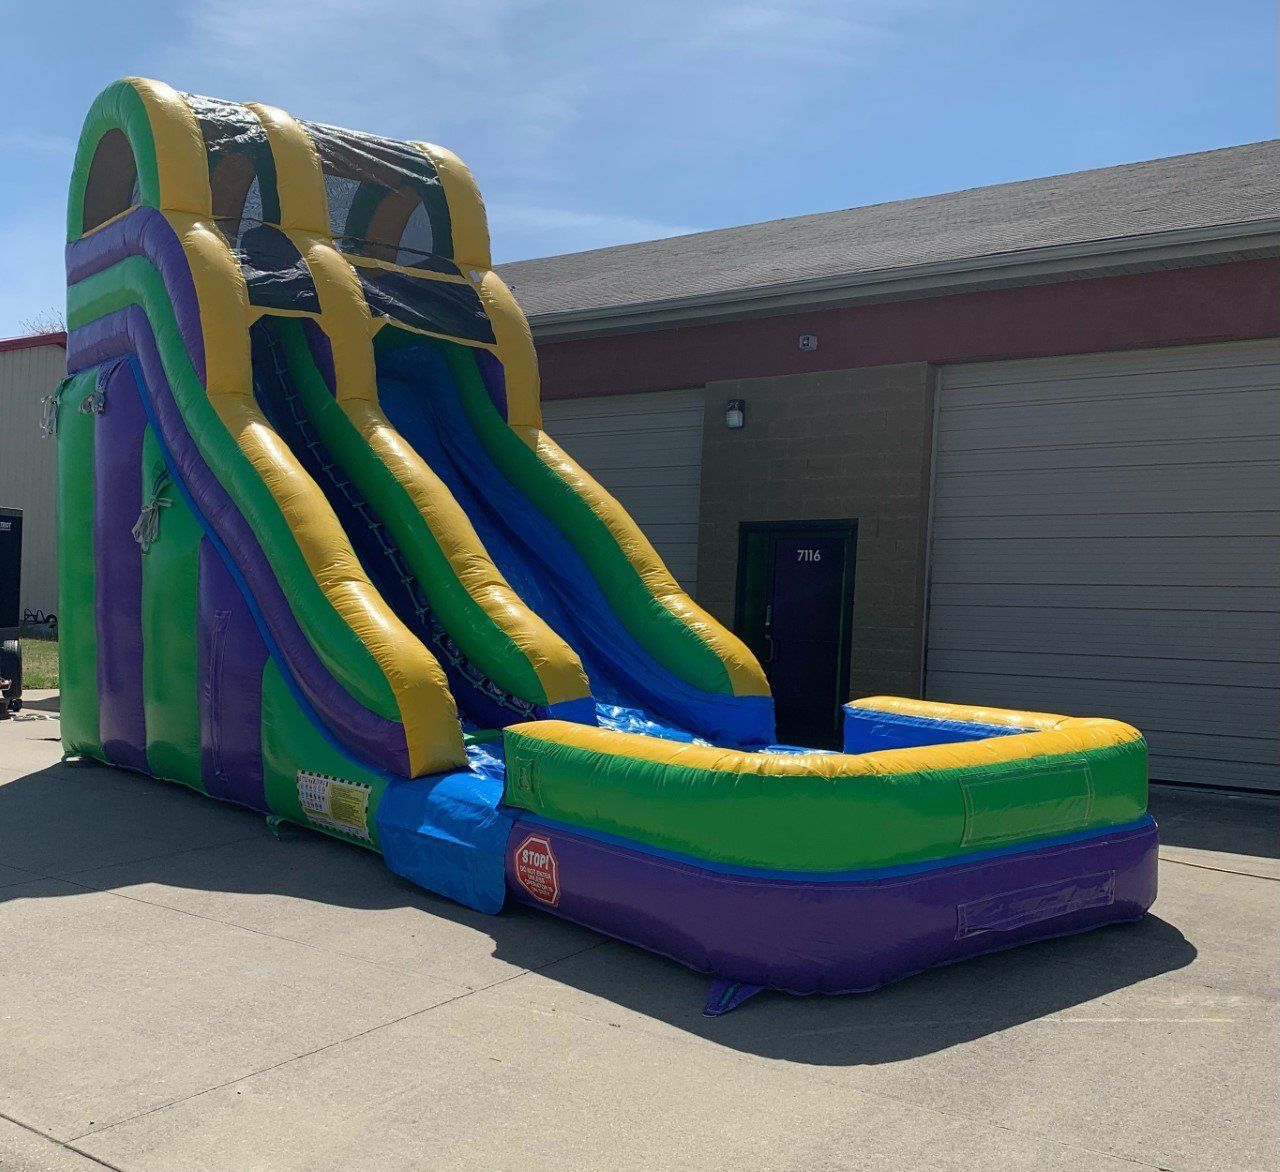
318	558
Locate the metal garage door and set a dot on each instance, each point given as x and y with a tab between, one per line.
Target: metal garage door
647	451
1105	542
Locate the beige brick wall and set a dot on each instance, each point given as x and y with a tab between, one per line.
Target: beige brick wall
28	467
830	446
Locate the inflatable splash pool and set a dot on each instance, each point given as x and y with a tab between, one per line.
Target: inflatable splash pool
318	558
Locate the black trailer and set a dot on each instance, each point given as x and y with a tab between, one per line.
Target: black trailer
10	611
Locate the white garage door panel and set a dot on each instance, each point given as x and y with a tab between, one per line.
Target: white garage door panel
1112	525
1146	371
1194	488
648	476
647	451
628	449
1178	742
1247	713
1250	763
1108	667
1065	595
1180	452
1144	418
1106	537
1132	561
1238	636
650	501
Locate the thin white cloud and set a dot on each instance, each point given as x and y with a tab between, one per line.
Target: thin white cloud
522	67
29	142
541	96
522	230
792	31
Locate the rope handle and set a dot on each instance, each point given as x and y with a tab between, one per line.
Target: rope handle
94	403
147	529
49	409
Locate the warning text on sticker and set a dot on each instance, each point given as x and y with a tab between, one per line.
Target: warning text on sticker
537	870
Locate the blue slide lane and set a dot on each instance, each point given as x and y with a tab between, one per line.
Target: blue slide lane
633	691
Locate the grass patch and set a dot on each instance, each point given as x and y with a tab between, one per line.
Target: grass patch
39	662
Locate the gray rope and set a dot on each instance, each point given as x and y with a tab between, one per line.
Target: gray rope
147	529
94	403
49	409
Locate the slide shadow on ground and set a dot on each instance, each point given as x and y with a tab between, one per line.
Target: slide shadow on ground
98	827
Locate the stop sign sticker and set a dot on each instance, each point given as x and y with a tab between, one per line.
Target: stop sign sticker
537	870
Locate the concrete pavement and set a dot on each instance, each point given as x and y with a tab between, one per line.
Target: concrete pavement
181	990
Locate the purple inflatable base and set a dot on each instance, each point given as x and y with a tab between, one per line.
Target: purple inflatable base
823	936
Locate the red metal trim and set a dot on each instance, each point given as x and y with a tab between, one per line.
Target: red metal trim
1170	307
31	341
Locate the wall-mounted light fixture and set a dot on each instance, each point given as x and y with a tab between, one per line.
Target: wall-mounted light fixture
735	413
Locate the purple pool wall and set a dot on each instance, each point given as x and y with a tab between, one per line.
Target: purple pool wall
832	936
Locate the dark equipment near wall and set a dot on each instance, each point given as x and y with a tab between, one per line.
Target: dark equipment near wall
795	611
10	593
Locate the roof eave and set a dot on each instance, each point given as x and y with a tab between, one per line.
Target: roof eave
1192	246
31	341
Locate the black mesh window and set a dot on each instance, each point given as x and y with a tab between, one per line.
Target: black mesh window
417	240
385	199
242	170
246	205
274	271
442	307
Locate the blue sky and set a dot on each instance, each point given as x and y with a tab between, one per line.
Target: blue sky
589	122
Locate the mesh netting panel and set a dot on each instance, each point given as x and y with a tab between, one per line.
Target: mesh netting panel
418	239
242	174
275	274
452	308
246	205
341	192
385	202
252	213
376	187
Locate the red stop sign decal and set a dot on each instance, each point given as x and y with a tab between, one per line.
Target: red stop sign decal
537	870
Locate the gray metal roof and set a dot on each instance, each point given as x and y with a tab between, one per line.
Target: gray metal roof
1199	202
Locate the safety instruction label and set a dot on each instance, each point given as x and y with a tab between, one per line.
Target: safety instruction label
537	870
335	804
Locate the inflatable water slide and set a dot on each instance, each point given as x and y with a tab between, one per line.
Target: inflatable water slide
319	558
